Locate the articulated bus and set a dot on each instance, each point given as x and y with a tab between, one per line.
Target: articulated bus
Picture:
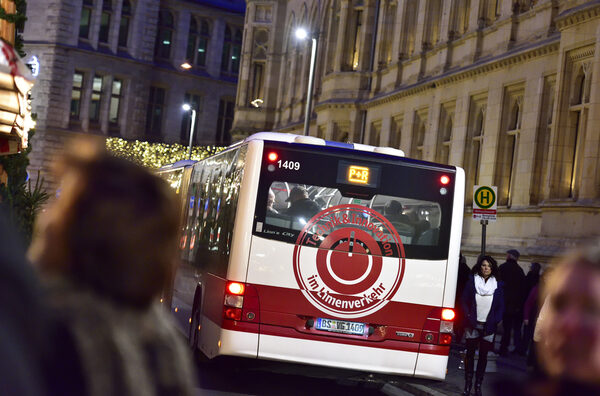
299	249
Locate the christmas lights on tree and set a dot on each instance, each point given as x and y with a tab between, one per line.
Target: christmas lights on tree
155	155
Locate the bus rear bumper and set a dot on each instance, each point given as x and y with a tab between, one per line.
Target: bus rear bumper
353	357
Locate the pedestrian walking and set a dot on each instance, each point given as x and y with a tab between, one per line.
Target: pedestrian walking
514	283
530	307
106	248
483	304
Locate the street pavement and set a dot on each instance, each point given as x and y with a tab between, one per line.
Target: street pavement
499	368
252	377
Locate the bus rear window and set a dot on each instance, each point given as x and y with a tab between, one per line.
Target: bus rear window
290	206
399	198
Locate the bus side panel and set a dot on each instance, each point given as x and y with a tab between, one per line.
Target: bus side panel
458	208
242	232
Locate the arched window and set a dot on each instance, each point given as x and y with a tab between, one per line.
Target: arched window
164	35
198	42
124	25
232	45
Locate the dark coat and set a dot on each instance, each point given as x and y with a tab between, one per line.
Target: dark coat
514	284
470	308
304	207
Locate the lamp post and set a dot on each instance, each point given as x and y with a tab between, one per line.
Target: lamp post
187	107
302	34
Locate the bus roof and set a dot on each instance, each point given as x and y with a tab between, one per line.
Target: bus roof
178	164
291	138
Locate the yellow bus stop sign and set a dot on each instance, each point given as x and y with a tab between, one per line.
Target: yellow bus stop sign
484	203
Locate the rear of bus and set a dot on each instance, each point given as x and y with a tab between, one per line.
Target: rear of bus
360	274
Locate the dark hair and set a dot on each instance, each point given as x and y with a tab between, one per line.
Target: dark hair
493	263
113	228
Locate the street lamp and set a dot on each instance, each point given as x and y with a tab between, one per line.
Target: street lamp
187	107
302	34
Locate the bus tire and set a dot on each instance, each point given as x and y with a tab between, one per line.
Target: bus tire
194	331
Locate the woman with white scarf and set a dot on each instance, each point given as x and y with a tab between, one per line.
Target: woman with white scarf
483	305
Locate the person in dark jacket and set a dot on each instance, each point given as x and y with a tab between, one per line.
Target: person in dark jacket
23	325
463	277
483	305
514	280
301	205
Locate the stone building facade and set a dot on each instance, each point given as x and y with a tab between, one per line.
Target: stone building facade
507	89
125	67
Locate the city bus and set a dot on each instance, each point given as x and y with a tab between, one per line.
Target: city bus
298	249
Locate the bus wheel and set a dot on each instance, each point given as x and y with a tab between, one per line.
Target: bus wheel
194	335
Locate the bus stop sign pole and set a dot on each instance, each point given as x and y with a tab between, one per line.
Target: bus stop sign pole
484	224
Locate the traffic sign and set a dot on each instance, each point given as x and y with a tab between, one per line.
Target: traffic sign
485	202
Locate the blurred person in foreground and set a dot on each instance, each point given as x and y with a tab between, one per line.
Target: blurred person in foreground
23	325
483	306
105	249
569	327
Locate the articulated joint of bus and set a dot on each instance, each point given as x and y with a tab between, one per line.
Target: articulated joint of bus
438	326
241	302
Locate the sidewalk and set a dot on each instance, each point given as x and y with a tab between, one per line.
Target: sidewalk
512	366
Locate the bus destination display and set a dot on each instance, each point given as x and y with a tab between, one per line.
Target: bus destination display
358	174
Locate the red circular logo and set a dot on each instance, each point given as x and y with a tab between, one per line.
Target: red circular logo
349	261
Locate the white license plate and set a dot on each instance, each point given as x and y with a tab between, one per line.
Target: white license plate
340	326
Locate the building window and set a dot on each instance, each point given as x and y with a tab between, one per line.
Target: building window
396	131
76	94
124	25
198	42
224	121
164	35
571	139
105	22
459	19
96	98
230	63
444	137
434	16
385	43
473	145
115	101
375	134
508	144
86	16
542	143
194	102
417	149
154	111
409	29
357	39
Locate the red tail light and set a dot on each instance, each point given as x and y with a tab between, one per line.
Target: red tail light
444	180
438	327
272	156
233	313
235	288
241	302
448	314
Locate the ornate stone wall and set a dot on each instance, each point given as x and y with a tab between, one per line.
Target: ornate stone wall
508	90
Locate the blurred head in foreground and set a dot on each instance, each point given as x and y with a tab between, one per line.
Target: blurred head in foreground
570	347
113	227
